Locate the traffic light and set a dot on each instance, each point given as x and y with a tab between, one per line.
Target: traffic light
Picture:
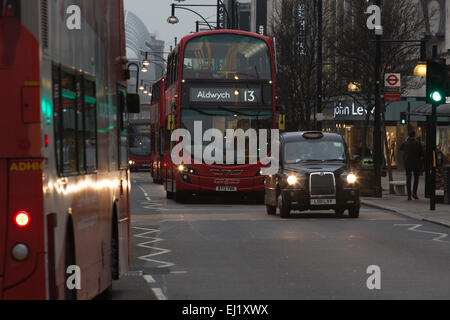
403	118
436	81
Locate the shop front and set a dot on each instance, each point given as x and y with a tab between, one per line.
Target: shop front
351	120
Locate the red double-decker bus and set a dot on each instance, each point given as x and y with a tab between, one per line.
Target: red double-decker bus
157	129
226	80
64	178
139	143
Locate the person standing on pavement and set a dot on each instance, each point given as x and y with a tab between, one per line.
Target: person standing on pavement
413	156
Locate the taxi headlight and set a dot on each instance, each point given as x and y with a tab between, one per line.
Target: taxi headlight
351	178
292	180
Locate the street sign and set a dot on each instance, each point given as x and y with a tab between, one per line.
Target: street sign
392	86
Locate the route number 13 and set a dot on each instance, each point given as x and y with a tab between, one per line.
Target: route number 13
249	96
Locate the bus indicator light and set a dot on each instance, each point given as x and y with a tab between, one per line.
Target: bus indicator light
22	219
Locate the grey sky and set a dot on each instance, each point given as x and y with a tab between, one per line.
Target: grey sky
154	14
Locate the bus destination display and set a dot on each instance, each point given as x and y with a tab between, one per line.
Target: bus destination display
223	95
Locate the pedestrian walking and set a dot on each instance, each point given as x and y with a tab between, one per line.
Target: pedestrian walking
413	156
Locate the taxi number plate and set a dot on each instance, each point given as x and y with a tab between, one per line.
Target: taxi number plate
226	188
323	201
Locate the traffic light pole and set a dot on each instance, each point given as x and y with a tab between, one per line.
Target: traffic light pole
433	157
436	91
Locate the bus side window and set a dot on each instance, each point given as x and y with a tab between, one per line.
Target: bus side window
169	71
176	67
80	126
90	125
122	120
69	124
57	120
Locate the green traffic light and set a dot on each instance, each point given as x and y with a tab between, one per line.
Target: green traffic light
436	96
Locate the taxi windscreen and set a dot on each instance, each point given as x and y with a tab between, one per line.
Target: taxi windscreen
313	150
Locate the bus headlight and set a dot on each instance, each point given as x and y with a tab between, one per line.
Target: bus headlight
351	178
181	168
131	162
291	180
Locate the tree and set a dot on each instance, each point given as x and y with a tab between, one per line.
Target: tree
353	49
294	26
348	53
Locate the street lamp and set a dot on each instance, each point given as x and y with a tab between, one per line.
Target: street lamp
141	87
137	73
173	19
354	86
145	62
421	69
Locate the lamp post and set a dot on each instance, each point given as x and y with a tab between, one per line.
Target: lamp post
137	73
173	19
319	63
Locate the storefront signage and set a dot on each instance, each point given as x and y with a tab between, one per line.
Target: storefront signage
351	111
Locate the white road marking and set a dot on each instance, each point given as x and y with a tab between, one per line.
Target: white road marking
163	264
149	278
152	205
159	294
177	272
149	204
145	193
414	227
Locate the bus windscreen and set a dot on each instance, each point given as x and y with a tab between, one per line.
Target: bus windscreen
226	56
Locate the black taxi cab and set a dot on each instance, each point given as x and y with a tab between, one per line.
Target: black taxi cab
314	174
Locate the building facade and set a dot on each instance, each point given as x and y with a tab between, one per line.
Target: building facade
139	43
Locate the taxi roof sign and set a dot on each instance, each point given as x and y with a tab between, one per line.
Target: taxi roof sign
312	135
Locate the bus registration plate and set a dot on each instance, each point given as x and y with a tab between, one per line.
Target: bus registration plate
226	188
323	201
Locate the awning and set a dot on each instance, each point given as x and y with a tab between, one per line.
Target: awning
442	110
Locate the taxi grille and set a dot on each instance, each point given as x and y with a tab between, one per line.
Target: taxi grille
322	184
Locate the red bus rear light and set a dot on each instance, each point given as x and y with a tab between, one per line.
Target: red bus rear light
22	219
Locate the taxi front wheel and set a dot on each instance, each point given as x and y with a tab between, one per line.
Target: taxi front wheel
285	209
353	212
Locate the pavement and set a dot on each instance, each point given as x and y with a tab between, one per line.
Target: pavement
415	209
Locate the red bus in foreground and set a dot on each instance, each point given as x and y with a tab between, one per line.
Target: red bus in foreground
157	129
64	178
226	80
